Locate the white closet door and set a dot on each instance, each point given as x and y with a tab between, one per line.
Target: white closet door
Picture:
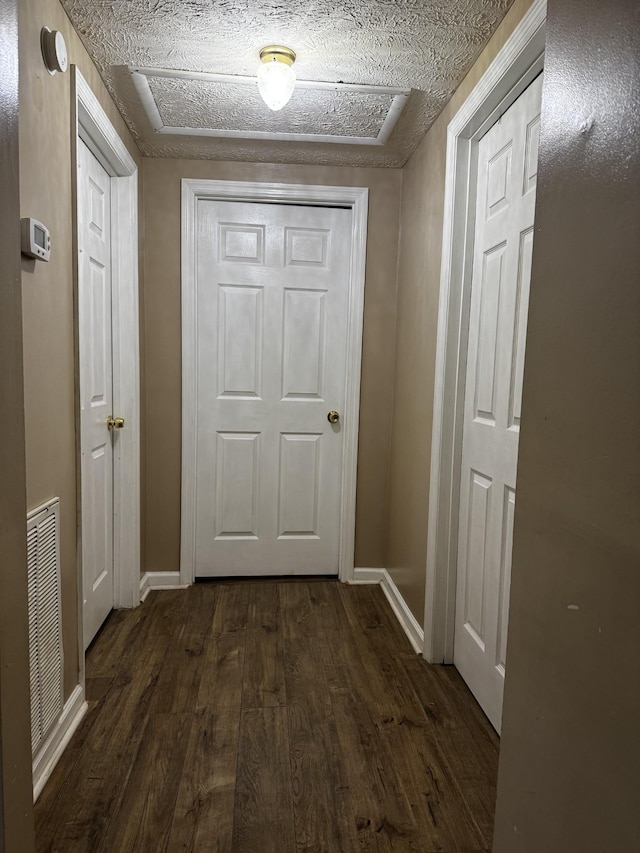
507	168
96	389
272	297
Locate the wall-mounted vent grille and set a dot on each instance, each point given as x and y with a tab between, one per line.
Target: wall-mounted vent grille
45	623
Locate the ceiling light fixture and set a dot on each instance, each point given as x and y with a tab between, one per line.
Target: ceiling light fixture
276	77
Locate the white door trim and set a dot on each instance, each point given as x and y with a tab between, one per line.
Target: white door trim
355	198
94	128
517	64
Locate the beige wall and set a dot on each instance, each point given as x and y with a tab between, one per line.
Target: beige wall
570	750
161	188
421	224
48	312
16	798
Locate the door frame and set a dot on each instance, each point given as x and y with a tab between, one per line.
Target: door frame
514	68
354	198
92	126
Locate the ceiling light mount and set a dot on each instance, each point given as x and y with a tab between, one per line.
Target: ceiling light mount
277	53
276	77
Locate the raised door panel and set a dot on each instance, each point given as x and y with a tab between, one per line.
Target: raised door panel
303	344
241	243
98	363
96	526
475	569
96	208
240	341
530	171
520	328
508	513
307	247
237	485
498	191
490	286
299	486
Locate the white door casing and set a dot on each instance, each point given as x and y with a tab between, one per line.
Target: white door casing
355	200
516	65
505	205
272	296
96	389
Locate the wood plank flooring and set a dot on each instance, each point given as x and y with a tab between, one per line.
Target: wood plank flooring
270	717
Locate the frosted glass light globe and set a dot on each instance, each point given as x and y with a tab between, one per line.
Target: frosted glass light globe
276	80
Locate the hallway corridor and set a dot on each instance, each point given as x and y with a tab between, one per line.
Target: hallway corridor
270	717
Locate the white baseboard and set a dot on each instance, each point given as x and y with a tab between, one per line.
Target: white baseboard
407	620
367	576
405	617
145	587
48	756
160	580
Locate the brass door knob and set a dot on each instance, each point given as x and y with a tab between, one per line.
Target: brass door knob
115	423
333	417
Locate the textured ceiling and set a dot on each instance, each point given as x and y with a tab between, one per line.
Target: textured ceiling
224	106
423	45
242	108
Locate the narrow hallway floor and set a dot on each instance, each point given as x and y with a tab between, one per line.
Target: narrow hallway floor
270	717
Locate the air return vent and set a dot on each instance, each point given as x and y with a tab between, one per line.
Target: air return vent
45	624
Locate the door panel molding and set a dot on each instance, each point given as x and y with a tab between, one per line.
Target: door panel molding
94	128
513	69
353	198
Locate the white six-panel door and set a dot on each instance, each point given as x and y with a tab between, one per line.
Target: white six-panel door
96	389
507	169
272	300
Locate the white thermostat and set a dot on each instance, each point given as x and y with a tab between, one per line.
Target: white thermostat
35	239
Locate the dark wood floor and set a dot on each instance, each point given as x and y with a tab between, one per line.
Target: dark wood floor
270	717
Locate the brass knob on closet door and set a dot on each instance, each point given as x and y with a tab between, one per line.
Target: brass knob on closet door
115	423
333	417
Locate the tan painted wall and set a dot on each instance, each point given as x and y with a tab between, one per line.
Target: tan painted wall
161	188
421	225
48	314
16	798
570	752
